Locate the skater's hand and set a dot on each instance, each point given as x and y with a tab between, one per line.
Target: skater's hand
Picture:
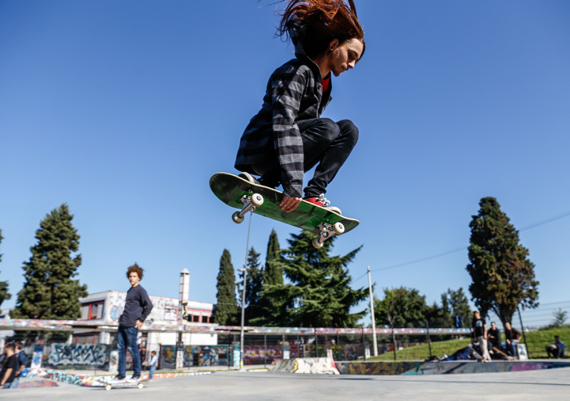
288	204
139	324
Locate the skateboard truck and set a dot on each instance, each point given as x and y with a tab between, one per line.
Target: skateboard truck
250	202
327	231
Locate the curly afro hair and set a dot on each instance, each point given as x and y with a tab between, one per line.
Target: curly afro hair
135	268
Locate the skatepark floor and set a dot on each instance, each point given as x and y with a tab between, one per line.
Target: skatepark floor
552	384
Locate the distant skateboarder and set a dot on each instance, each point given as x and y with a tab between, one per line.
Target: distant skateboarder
137	308
288	137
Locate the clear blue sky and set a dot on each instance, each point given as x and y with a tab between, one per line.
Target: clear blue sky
123	110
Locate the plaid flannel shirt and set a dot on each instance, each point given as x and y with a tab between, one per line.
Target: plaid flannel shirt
294	93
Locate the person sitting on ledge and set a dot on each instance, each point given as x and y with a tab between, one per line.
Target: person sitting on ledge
557	349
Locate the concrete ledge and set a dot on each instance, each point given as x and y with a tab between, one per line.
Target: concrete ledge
320	366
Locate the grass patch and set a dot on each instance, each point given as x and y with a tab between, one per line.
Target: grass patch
537	341
421	352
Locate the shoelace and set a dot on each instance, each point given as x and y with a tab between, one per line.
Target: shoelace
323	200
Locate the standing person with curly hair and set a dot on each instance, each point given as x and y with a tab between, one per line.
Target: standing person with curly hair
137	308
288	137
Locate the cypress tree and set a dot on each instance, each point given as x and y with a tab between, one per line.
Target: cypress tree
49	290
4	294
269	310
253	287
503	277
226	304
273	273
319	293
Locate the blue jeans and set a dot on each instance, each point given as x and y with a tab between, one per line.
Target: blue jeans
127	338
15	382
7	385
152	369
511	349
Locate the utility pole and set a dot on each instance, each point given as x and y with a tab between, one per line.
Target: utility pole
243	296
375	345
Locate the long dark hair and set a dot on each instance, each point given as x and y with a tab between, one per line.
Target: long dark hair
316	23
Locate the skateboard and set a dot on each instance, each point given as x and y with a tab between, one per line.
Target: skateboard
249	196
124	383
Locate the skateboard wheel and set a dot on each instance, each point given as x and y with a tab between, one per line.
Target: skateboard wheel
108	387
140	385
237	218
317	244
338	228
257	200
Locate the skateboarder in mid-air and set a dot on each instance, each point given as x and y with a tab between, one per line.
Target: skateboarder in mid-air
288	137
137	308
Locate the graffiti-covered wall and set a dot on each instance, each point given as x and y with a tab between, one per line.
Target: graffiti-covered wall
195	355
79	356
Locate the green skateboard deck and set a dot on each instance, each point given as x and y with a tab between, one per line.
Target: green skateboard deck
239	193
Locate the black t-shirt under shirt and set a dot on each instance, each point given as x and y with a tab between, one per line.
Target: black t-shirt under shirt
512	334
12	363
478	327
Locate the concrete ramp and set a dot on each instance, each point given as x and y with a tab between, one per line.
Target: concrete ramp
444	367
319	366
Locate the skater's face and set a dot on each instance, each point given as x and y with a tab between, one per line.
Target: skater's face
507	326
344	57
134	279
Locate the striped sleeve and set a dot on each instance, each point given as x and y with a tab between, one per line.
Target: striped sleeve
287	87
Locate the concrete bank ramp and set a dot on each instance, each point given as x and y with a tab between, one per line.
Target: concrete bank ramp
319	366
444	367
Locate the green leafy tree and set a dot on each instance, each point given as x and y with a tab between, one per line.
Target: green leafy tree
502	275
49	290
401	307
253	287
454	303
4	294
226	304
318	293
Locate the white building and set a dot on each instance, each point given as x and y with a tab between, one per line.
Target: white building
106	308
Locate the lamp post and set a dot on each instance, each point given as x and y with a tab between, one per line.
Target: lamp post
244	270
375	345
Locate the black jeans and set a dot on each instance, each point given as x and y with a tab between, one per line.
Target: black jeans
554	352
324	142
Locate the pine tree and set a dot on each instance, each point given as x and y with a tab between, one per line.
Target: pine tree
503	277
49	291
253	287
319	293
226	304
4	294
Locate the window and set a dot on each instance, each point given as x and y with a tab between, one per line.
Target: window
92	311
